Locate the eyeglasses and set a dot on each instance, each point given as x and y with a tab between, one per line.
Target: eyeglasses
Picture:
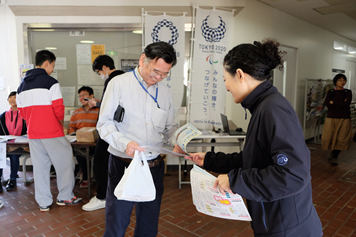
79	96
157	73
98	72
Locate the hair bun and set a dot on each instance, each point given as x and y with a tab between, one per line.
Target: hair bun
257	43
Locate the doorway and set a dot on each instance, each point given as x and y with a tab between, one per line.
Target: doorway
285	80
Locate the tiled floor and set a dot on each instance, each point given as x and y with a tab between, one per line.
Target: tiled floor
334	190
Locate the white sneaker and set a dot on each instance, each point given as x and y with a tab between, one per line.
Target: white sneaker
94	204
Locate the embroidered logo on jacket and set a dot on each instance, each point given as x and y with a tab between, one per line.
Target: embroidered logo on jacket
282	159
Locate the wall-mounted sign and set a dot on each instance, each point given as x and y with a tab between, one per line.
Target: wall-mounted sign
76	33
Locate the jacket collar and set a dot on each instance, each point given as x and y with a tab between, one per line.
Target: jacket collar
115	73
257	95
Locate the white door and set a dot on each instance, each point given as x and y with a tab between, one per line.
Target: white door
285	80
350	69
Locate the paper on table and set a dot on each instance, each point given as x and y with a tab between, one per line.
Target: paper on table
22	139
6	138
162	151
210	201
71	138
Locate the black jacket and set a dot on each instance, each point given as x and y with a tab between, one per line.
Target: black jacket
111	76
273	171
3	127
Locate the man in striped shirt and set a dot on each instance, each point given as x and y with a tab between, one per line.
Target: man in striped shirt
84	117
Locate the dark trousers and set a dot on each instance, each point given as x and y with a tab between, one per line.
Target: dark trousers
335	153
118	212
101	161
82	162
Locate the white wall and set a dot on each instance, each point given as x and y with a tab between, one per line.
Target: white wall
8	55
315	48
255	22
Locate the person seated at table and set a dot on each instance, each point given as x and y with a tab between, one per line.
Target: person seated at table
12	123
84	117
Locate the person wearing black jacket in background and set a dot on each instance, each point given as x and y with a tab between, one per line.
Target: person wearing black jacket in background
337	127
11	123
104	66
273	170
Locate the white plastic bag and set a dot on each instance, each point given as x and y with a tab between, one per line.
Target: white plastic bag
136	184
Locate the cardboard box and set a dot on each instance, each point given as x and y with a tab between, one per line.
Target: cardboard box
87	134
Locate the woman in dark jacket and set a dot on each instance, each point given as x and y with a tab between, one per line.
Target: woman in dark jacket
11	123
337	127
273	171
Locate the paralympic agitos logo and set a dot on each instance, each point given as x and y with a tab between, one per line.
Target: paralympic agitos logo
210	60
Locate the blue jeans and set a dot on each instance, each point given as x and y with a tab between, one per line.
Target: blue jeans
14	166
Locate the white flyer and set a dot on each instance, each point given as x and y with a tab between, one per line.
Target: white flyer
162	151
185	134
210	201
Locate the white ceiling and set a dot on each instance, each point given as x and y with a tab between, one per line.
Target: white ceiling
337	16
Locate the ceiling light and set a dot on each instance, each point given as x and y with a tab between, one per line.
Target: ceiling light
351	50
87	41
51	48
137	31
340	46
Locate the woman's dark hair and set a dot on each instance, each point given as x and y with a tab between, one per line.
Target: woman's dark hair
43	56
337	77
162	50
257	59
103	60
11	94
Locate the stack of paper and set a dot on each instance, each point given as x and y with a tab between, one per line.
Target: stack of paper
210	201
22	139
71	138
6	138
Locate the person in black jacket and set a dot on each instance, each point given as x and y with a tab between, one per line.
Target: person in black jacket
273	170
11	123
104	66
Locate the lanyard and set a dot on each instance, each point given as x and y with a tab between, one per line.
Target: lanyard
154	98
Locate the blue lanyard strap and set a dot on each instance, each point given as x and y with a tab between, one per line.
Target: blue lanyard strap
154	98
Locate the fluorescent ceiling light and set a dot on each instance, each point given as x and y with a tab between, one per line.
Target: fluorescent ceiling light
87	41
137	32
351	50
51	48
339	48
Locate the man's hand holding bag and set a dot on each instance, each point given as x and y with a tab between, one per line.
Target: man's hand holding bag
136	184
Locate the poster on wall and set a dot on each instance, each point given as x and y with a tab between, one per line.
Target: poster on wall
129	64
96	50
213	35
23	69
68	94
86	76
61	63
169	29
83	53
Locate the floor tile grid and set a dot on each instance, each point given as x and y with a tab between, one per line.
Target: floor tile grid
334	189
